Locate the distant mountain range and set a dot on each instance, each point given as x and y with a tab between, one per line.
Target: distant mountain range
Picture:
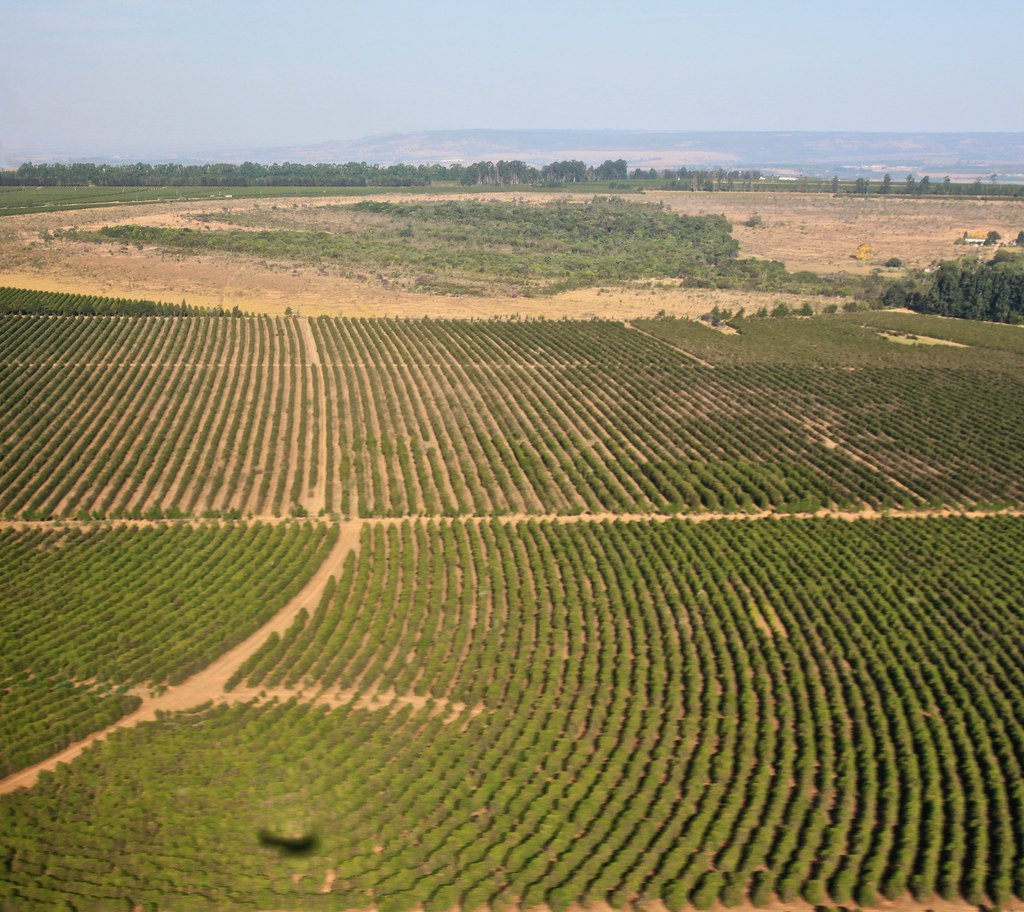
960	155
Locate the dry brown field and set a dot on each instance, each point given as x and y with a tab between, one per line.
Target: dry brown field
816	232
820	232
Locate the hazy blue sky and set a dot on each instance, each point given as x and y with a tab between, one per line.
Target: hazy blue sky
125	75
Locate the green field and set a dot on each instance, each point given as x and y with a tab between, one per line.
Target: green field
117	417
88	613
576	611
27	200
686	712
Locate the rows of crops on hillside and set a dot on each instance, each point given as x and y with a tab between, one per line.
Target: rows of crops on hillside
114	416
850	340
458	417
946	436
614	711
26	301
454	417
110	416
984	336
944	423
86	613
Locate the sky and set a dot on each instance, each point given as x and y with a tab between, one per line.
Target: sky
126	76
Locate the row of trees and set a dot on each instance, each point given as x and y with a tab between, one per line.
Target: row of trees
483	173
925	186
751	180
114	416
24	301
452	416
512	173
291	174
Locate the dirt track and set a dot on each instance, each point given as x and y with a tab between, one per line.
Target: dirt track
868	513
207	684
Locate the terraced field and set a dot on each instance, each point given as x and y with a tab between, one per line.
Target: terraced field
583	613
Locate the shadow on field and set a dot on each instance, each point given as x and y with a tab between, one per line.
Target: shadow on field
290	845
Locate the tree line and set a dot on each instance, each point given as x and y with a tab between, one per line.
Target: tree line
968	289
500	173
715	179
292	174
24	301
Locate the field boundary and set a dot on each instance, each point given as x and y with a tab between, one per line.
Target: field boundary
867	513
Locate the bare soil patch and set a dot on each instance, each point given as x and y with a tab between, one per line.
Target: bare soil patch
891	335
724	328
820	233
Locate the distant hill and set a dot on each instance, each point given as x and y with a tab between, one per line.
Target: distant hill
960	155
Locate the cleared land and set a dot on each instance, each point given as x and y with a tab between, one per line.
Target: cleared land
813	232
821	232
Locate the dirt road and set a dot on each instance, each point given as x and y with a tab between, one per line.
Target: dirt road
207	684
